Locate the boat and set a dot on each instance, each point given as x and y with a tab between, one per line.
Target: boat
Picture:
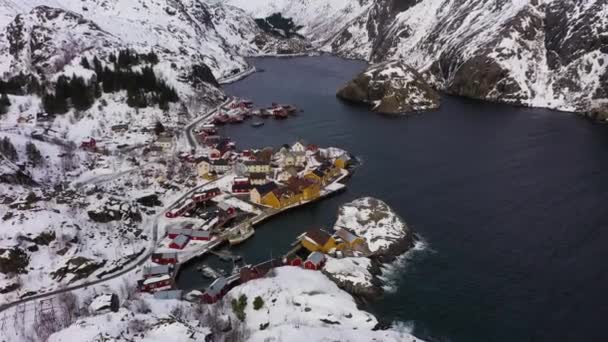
241	235
257	124
209	272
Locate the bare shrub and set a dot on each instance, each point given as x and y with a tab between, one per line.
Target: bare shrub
68	304
46	325
178	312
138	325
141	306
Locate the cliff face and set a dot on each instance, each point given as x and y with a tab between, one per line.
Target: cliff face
392	88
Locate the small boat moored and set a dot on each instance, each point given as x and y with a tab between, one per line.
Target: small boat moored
243	234
257	124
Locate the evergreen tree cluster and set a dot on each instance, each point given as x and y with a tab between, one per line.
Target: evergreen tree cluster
20	85
143	87
8	149
33	154
80	93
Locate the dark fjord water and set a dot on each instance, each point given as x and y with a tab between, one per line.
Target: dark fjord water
510	201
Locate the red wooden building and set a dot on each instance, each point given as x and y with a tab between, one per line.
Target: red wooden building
154	284
157	271
182	209
172	233
203	196
241	186
179	242
164	258
200	235
88	144
215	291
297	261
315	261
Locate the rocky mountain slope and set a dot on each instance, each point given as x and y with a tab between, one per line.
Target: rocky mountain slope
392	88
544	53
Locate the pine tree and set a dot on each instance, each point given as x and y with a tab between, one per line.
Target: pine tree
62	93
33	154
98	69
5	103
82	95
159	128
109	81
8	149
85	63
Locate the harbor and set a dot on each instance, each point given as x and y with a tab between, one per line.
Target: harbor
239	191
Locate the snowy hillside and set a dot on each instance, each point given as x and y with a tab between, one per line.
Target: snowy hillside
545	53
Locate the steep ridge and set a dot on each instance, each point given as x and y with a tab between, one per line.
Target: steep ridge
543	53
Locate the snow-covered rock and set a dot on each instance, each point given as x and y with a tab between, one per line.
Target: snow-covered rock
385	232
303	305
391	87
126	325
354	275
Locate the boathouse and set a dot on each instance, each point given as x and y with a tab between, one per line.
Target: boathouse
179	242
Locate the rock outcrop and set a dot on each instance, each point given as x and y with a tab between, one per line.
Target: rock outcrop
392	88
356	276
387	235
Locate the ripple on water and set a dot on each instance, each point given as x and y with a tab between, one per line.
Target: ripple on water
391	273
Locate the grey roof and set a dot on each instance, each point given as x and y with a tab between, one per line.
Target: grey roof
346	235
316	258
181	231
165	255
157	270
181	239
266	188
201	233
217	286
171	294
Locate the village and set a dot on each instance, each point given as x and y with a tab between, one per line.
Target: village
237	190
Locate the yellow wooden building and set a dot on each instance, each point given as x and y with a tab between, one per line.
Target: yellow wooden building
317	240
308	188
281	198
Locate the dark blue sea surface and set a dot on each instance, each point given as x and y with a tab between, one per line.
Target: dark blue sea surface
511	202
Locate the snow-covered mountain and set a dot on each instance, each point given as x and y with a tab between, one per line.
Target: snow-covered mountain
544	53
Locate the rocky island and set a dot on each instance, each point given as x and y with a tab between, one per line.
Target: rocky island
391	87
386	237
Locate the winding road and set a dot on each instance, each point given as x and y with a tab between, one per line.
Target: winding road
145	257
